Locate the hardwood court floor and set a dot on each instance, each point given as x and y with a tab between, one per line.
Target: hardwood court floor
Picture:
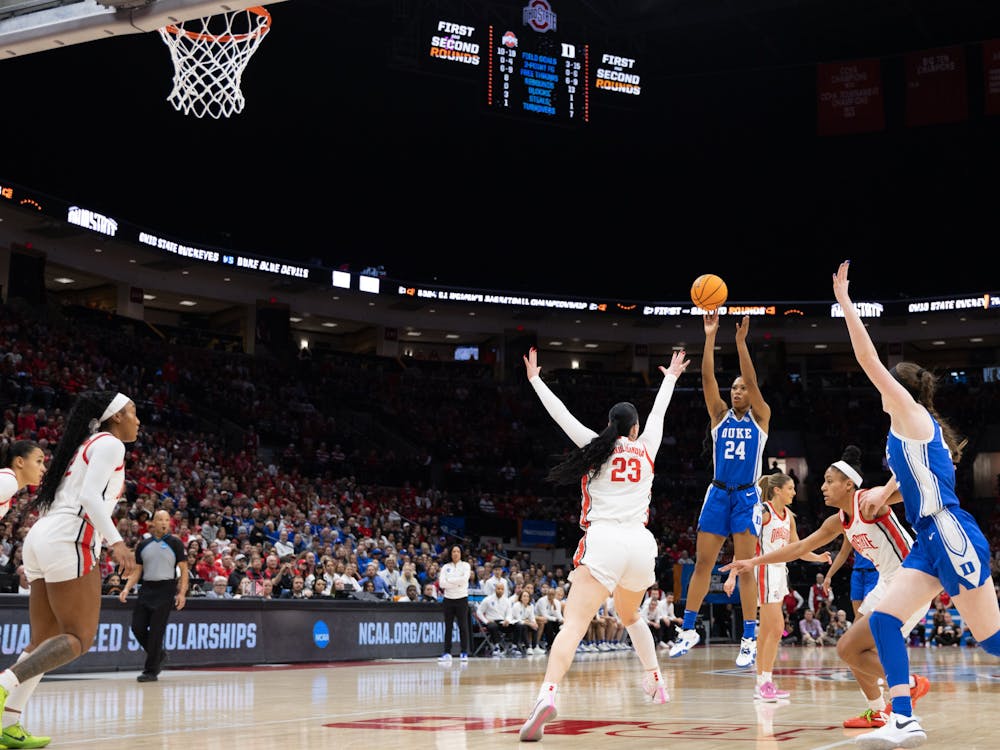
481	705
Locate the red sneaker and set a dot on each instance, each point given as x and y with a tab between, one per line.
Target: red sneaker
868	720
921	686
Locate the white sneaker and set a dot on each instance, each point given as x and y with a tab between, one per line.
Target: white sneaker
603	647
444	659
653	686
686	640
748	652
464	656
543	712
663	644
899	731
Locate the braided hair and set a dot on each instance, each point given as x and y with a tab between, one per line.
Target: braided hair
87	409
589	459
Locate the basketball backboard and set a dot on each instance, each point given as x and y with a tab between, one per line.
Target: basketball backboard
28	26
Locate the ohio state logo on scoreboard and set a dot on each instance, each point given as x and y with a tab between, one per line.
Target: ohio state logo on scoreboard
538	14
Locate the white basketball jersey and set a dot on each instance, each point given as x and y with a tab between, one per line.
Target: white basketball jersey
883	540
777	532
8	488
99	468
622	490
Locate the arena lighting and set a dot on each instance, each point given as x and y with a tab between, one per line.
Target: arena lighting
369	284
340	279
64	280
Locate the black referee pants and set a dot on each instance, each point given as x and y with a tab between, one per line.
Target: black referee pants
149	620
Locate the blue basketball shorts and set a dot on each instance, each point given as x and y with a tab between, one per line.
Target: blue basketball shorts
951	547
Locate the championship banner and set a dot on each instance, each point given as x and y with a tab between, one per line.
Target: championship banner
244	632
849	97
991	76
936	88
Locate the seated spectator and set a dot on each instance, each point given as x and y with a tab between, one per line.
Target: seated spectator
430	593
220	589
112	585
283	547
247	589
319	589
493	613
406	579
373	580
653	616
812	631
838	626
947	633
297	591
411	594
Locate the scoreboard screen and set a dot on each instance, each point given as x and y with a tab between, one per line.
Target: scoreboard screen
528	73
528	68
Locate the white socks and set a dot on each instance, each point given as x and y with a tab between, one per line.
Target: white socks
19	696
642	642
548	691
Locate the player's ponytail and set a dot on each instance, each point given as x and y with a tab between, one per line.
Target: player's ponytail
589	459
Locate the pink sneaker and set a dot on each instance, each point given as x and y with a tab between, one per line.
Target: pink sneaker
652	685
543	712
769	692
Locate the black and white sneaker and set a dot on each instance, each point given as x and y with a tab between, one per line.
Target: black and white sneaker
899	731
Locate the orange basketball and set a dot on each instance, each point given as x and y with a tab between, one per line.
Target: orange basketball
709	291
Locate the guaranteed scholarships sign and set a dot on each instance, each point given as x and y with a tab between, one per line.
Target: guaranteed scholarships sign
249	631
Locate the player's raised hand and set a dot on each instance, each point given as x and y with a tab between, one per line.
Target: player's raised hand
677	364
840	284
531	363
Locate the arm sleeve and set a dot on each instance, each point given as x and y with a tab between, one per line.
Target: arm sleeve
443	579
577	432
652	435
105	456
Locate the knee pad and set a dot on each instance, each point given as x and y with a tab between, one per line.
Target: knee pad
992	644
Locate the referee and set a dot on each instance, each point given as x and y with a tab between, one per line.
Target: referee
159	558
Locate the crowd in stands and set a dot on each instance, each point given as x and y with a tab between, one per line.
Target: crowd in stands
321	477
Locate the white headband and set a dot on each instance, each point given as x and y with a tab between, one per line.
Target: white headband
849	471
116	405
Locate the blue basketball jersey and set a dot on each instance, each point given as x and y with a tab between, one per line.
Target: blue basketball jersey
737	456
862	563
925	474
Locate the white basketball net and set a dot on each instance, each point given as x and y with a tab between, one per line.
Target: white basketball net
209	57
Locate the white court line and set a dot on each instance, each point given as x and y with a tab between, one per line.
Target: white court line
835	744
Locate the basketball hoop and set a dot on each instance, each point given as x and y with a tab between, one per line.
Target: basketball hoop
209	58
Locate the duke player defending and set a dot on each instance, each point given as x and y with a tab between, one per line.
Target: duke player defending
878	535
617	555
732	502
75	501
950	549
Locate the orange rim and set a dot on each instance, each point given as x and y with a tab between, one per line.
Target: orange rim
227	38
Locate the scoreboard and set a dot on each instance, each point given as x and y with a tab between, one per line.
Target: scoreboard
528	68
